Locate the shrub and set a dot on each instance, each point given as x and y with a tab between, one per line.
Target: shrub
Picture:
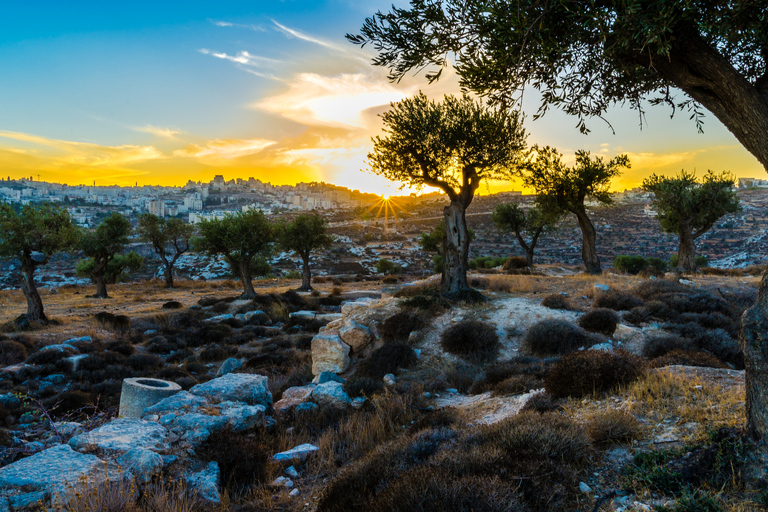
238	471
592	371
600	320
45	357
557	301
511	375
387	359
112	322
651	289
612	426
555	337
616	300
12	352
384	266
629	264
701	261
173	304
471	340
70	402
660	344
540	403
362	387
145	362
121	347
399	326
432	303
687	358
515	263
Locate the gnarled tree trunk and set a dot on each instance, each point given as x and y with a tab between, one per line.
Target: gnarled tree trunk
456	250
35	312
244	266
101	286
754	344
589	238
306	274
686	250
168	276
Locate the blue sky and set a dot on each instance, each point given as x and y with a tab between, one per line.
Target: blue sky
162	92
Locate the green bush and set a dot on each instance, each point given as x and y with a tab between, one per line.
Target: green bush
292	274
384	266
629	264
701	261
487	262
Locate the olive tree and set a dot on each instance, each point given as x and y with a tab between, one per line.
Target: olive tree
245	239
526	225
689	208
102	245
450	145
169	238
561	189
32	236
303	235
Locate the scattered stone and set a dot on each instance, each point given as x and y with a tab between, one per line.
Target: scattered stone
625	333
331	394
294	493
142	463
327	377
181	401
356	335
237	387
229	366
282	481
205	483
329	353
291	471
328	317
583	487
122	435
297	454
81	339
390	379
61	347
358	402
603	287
293	397
68	428
602	346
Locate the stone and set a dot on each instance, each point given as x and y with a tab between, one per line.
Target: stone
9	401
122	435
607	347
142	463
205	483
241	417
356	335
329	354
282	481
68	428
583	487
291	471
293	397
327	377
297	454
624	333
603	287
53	470
686	282
55	378
28	500
75	360
81	339
390	379
309	315
358	402
328	317
294	493
331	394
229	366
220	318
237	387
305	410
61	347
180	402
140	393
248	316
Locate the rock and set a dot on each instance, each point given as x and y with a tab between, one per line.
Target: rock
76	360
139	393
220	318
241	417
205	483
53	470
61	347
583	487
229	366
293	397
358	402
356	335
294	493
603	287
297	454
602	346
327	377
389	379
250	314
28	500
329	353
56	378
122	435
142	463
305	410
237	387
9	401
309	315
328	317
291	471
68	428
686	282
624	333
331	394
180	402
282	481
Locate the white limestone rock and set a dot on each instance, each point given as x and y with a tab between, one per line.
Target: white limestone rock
236	387
329	353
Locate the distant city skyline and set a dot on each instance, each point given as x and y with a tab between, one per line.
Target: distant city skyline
160	93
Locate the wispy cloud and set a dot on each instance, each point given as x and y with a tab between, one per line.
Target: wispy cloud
165	133
227	149
255	28
242	57
308	38
337	101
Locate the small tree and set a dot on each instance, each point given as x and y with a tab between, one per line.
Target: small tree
565	189
118	269
102	245
451	146
303	235
388	267
530	224
689	208
33	236
243	238
170	239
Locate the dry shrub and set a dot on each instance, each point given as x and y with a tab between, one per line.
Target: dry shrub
515	263
244	459
390	280
555	337
518	375
362	386
654	287
557	301
471	340
600	320
107	495
387	359
412	290
687	358
540	403
513	283
616	300
592	371
71	402
517	385
481	283
12	352
660	344
614	427
399	326
145	363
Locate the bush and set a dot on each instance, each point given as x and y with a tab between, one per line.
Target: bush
384	266
432	303
701	261
687	358
651	289
557	301
243	459
71	402
510	376
592	371
600	320
387	359
612	426
399	326
216	353
661	344
555	337
390	280
362	387
540	403
471	340
629	264
616	300
145	362
515	263
12	352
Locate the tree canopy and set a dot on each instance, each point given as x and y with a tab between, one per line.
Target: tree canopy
32	236
587	56
169	238
689	207
102	245
303	235
526	225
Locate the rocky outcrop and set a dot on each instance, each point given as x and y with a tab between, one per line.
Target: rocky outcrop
356	335
236	387
122	435
329	354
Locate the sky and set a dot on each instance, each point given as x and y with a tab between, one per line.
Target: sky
158	93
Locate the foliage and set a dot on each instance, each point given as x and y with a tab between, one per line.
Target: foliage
39	228
614	426
510	217
385	266
617	300
487	262
108	239
169	239
117	270
555	337
557	301
592	371
471	340
303	235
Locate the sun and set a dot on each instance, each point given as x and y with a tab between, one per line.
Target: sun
386	198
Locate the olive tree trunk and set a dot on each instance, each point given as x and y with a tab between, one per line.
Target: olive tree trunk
588	238
456	250
168	275
101	286
686	250
306	274
754	344
35	312
244	266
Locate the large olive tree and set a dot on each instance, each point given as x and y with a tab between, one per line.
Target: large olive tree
450	145
689	208
303	235
32	236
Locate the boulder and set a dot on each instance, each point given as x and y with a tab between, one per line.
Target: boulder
293	397
327	377
229	366
236	387
220	318
602	287
329	354
308	315
142	463
296	454
356	335
122	435
205	483
331	394
625	333
178	403
81	339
